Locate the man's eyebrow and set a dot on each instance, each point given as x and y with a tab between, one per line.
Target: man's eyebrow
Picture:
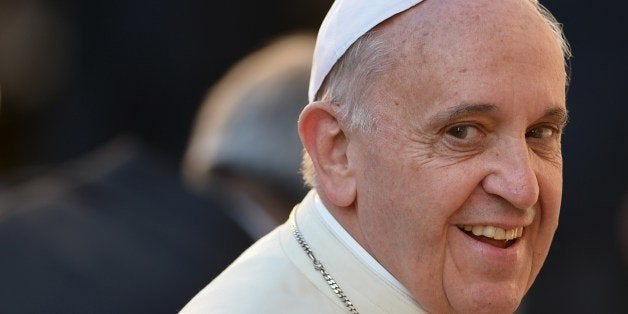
456	112
560	114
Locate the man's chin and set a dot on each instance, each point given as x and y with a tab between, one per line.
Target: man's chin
473	297
502	297
482	277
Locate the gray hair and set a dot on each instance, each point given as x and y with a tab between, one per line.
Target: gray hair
348	83
346	86
559	35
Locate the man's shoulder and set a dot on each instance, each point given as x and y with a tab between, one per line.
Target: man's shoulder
266	253
264	279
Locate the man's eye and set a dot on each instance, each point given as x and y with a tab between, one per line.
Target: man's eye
464	132
541	132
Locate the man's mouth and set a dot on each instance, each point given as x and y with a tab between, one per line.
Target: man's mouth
495	236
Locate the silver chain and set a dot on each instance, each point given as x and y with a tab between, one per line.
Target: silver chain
319	267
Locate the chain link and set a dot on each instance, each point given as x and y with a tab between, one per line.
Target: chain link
318	266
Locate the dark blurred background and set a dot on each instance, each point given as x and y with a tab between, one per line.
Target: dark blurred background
75	73
77	76
98	100
587	269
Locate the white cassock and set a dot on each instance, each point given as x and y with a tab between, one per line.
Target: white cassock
275	275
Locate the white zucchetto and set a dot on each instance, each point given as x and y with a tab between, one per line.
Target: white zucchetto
346	21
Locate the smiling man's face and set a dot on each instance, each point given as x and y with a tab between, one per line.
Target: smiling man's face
459	184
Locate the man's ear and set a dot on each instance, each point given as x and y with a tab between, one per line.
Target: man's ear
327	143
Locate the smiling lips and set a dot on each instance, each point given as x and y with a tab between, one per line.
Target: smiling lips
489	234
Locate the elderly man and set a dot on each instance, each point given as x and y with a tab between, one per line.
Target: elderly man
433	149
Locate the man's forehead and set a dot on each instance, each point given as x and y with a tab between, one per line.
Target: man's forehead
347	20
454	27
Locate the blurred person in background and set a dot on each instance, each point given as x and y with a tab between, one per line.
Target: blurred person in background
97	98
75	74
245	145
37	45
112	231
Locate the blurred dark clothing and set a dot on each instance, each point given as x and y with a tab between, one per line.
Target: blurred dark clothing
111	232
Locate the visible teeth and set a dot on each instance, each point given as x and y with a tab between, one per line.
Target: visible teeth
494	232
510	234
500	234
489	231
477	230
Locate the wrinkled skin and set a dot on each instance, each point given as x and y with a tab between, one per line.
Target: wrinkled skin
468	132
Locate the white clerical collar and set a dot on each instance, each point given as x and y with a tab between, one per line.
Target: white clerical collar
355	247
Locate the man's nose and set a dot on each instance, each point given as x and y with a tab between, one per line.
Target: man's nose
512	175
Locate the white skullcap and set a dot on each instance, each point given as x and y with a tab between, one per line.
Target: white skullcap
346	21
